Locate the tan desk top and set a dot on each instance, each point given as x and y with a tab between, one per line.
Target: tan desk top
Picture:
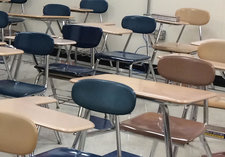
5	1
27	106
109	28
171	22
41	17
3	43
93	24
198	43
61	41
6	51
156	90
81	10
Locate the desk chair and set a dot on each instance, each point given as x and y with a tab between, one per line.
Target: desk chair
191	16
102	96
140	25
187	71
85	37
98	7
4	21
56	10
21	2
19	136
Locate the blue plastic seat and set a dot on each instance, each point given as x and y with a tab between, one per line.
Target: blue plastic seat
105	97
4	21
98	7
140	25
30	43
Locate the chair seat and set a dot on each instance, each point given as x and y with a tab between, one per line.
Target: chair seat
122	56
175	47
66	70
19	89
15	20
65	152
151	124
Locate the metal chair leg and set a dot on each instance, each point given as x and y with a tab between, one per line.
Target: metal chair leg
130	70
59	141
54	92
205	145
150	69
118	138
96	65
10	8
154	146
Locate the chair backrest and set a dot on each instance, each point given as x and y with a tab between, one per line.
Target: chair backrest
85	36
193	16
4	19
98	6
18	135
186	70
104	96
139	24
34	43
18	1
56	10
213	51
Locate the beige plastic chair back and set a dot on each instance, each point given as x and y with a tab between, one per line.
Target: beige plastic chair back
186	70
193	16
18	135
212	50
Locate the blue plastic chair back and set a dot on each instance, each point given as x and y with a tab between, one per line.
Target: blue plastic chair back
56	10
139	24
18	1
98	6
85	36
34	43
104	96
4	19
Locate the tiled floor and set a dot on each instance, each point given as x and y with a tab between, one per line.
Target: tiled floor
105	142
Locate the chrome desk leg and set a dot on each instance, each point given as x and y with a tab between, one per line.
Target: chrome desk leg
85	19
118	138
166	124
7	68
159	32
181	32
205	145
154	146
151	69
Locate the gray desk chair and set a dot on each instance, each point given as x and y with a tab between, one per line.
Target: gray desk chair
186	71
190	16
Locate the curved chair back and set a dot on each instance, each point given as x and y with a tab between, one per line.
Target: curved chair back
213	51
139	24
34	43
193	16
186	70
85	36
98	6
104	96
4	19
18	1
18	135
56	10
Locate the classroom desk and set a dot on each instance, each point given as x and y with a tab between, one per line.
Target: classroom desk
160	92
7	51
45	18
29	107
5	1
82	10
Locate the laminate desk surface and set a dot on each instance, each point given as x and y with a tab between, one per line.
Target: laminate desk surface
7	51
3	43
171	22
27	106
5	1
41	17
109	28
198	43
81	10
156	90
61	41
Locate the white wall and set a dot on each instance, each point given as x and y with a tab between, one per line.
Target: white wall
120	8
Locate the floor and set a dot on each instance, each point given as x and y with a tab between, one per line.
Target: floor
105	142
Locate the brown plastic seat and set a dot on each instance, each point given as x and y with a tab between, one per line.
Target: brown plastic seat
192	16
150	124
18	135
184	70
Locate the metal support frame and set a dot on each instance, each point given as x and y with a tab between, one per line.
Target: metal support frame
118	137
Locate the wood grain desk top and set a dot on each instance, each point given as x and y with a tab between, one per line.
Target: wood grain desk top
41	17
5	1
198	43
156	90
61	41
81	10
27	106
171	22
109	28
3	43
96	24
6	51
